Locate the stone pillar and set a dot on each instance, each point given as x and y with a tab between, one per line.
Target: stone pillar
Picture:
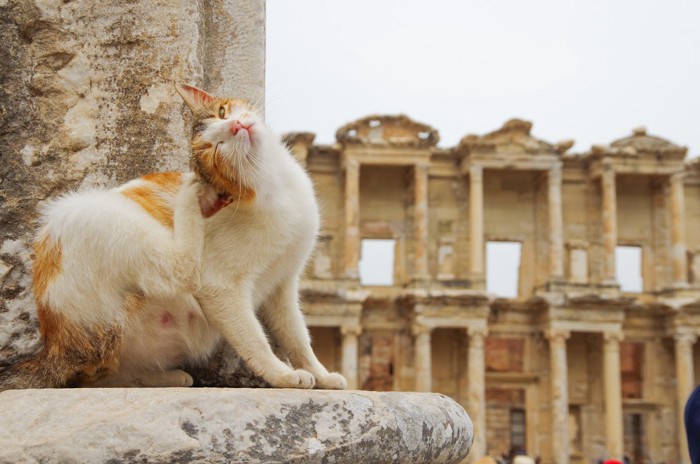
476	225
613	395
560	395
235	71
678	247
420	222
685	381
477	390
350	354
609	223
352	218
556	227
423	360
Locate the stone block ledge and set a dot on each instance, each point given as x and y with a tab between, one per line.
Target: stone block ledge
217	425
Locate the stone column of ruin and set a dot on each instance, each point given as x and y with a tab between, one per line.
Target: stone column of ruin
685	380
350	354
560	395
423	359
609	223
476	226
352	218
613	395
420	222
477	390
678	246
556	227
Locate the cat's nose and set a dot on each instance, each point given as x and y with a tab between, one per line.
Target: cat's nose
235	127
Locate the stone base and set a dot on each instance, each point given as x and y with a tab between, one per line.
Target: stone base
231	425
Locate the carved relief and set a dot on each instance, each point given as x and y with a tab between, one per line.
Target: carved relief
388	130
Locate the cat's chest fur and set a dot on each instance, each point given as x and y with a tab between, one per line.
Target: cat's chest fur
265	241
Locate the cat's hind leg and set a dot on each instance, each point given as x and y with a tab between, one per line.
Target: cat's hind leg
283	318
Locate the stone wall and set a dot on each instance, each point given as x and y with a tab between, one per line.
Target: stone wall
87	99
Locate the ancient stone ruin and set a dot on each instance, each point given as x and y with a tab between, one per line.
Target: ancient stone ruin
574	365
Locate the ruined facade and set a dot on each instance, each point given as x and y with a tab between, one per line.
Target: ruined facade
573	368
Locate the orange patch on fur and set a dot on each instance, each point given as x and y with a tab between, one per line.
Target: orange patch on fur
210	166
152	202
47	264
170	181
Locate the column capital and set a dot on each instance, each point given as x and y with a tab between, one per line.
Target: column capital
420	329
355	330
557	335
476	172
350	163
677	177
688	338
478	332
613	337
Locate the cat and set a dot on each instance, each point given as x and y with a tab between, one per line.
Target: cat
133	282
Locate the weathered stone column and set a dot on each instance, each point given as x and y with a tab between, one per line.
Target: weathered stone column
423	360
350	354
613	395
352	218
678	250
420	222
477	390
560	395
556	226
88	100
476	225
609	223
685	381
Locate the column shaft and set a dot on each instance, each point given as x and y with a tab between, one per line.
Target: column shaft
477	392
560	396
476	224
678	246
349	355
613	396
556	227
609	222
352	218
423	361
420	222
685	380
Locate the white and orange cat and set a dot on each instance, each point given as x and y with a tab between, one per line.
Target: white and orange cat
133	282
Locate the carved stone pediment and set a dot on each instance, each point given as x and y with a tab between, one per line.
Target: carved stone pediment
640	143
399	131
512	138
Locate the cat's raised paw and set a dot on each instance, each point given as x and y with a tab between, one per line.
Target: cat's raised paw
332	381
297	379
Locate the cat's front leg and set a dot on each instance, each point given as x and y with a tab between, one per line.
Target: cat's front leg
188	231
231	312
284	320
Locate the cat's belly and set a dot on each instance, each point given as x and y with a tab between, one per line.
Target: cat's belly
166	333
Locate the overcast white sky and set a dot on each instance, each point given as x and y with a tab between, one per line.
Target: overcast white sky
588	70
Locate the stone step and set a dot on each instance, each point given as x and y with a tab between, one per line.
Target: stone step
217	425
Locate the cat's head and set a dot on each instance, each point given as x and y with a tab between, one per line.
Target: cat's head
226	139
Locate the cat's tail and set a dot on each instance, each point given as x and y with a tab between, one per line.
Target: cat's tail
70	351
41	370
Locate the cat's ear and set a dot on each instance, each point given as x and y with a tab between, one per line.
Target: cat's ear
195	98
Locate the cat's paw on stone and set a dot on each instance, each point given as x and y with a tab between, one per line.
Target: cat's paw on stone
332	381
297	379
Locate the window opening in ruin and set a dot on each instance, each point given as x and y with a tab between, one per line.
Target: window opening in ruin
377	262
628	268
517	428
502	268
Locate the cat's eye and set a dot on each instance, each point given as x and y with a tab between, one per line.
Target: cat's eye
222	112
